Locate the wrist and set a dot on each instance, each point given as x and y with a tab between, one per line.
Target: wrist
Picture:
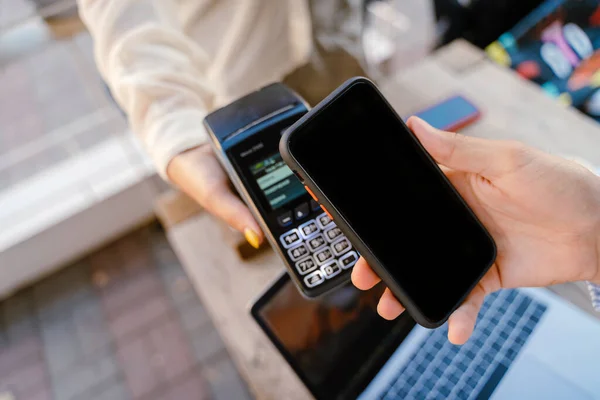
595	278
179	163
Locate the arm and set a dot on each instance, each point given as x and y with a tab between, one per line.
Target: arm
159	76
155	72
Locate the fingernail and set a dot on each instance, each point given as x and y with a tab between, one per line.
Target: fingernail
252	238
423	123
417	121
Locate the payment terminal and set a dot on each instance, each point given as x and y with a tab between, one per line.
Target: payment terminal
245	136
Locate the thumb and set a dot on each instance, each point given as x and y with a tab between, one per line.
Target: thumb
198	173
459	152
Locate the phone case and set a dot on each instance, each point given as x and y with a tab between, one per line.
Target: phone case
364	251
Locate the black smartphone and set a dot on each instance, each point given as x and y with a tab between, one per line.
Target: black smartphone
390	198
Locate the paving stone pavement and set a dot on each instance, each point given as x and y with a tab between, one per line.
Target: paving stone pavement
123	323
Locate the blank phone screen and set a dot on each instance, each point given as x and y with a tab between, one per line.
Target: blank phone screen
394	198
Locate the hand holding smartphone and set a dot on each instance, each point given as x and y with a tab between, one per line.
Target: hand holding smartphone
389	197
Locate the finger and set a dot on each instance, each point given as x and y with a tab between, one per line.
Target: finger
224	204
462	321
488	158
389	307
363	277
198	173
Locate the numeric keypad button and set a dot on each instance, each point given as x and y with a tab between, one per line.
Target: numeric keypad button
309	229
324	221
331	269
316	242
348	260
290	238
332	233
323	256
306	265
341	246
298	252
314	279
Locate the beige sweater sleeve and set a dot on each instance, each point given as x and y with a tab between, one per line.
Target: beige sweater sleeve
155	72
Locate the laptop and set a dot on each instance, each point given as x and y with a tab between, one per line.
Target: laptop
527	344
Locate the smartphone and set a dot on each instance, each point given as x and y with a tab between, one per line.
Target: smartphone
452	114
389	197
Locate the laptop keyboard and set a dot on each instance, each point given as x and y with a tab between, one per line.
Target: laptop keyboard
441	370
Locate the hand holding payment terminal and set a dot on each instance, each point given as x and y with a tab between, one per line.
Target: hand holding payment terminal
245	136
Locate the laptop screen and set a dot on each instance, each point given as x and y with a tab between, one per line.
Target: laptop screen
337	343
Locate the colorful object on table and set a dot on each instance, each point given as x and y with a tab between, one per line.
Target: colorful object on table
497	53
529	69
588	73
551	89
451	114
592	105
565	99
554	34
595	18
558	47
508	41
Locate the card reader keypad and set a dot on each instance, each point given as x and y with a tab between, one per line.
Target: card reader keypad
332	233
341	246
316	242
298	252
309	229
290	238
318	250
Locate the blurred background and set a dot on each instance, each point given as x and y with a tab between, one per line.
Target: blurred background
81	319
96	304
